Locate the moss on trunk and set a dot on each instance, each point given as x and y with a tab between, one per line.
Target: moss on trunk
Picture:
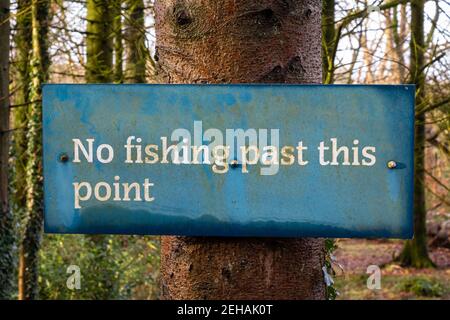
39	64
99	41
6	219
415	251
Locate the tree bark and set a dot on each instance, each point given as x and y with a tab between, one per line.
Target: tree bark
6	220
329	33
136	52
39	64
118	41
243	41
415	251
99	41
22	97
399	35
367	55
100	69
22	41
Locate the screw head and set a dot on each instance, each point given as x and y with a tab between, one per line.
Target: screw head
392	164
63	157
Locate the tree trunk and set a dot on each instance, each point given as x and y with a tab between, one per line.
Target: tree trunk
228	41
6	220
118	42
367	55
22	41
39	64
399	39
22	97
385	71
100	69
415	251
136	51
329	32
99	41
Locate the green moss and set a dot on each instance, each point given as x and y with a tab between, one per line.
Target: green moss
422	287
132	264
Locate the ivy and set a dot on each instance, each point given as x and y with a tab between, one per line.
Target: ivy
328	271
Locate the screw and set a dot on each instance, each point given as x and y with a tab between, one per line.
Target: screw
234	164
63	157
392	164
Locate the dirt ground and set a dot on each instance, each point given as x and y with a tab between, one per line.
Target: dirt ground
355	256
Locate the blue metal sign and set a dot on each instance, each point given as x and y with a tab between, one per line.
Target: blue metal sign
229	160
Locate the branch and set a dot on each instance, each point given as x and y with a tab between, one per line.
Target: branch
437	195
23	104
437	180
433	106
357	15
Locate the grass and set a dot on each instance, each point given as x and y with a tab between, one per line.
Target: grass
422	287
356	255
354	287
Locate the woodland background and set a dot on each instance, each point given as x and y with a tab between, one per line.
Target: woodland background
93	41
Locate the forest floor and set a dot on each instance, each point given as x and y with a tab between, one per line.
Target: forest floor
396	282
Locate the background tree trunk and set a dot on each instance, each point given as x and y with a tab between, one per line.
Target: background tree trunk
136	51
118	41
6	220
22	98
229	41
23	49
101	15
329	34
399	34
415	252
99	41
368	75
39	64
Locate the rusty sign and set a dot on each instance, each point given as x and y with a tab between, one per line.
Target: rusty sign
229	160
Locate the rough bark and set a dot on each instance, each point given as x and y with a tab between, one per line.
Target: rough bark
6	220
415	251
99	41
240	41
39	64
136	51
